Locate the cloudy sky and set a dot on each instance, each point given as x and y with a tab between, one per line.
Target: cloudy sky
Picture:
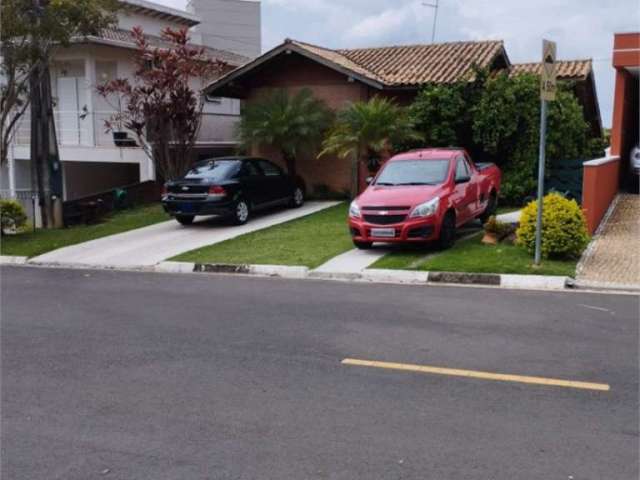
582	28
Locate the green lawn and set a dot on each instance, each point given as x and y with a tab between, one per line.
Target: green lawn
472	256
309	241
31	244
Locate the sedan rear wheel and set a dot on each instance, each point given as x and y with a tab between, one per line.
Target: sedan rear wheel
241	212
185	219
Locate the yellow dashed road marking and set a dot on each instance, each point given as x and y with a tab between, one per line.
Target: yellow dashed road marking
501	377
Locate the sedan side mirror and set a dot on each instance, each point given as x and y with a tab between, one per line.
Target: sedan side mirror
368	180
462	180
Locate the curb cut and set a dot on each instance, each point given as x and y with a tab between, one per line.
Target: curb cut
465	278
12	260
258	270
613	287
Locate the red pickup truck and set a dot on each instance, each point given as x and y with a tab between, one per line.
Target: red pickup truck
422	196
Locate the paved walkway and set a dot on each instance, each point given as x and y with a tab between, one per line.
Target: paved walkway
150	245
614	255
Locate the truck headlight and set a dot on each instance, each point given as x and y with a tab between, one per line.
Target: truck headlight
426	209
354	210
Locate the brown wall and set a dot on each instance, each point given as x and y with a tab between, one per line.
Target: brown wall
293	73
599	187
625	124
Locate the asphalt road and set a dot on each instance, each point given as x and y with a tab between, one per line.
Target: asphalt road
148	376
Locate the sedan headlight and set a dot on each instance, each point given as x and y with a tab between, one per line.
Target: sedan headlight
426	209
354	210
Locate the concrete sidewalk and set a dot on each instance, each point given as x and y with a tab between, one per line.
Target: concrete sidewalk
613	259
151	245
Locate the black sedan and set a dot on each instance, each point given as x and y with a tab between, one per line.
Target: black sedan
230	186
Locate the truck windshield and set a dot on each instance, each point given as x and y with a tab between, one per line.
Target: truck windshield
414	172
214	169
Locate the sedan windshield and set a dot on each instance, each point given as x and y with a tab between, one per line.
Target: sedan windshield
414	172
215	170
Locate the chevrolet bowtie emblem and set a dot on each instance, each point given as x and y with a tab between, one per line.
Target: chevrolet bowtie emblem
184	189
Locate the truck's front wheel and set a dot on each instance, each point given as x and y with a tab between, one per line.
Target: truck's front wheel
447	231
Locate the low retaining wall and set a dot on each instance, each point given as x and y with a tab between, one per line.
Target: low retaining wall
599	188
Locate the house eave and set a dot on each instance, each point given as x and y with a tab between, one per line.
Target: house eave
228	79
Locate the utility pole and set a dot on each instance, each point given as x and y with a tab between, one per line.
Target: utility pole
435	17
548	89
46	169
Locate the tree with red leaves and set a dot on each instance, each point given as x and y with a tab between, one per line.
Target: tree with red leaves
159	105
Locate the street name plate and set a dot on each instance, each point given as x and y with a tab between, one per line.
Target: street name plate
548	81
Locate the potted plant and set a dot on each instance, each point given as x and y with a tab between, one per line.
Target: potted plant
495	231
115	123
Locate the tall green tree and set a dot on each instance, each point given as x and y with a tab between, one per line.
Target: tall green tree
286	122
443	113
506	124
368	128
30	33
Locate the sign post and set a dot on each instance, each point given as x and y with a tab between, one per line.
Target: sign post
548	89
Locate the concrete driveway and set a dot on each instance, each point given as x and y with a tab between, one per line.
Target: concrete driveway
150	245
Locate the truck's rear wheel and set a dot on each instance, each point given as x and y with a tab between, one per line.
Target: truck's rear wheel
491	208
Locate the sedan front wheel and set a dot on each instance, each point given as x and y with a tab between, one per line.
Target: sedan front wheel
297	199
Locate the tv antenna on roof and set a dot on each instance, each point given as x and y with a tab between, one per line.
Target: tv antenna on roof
435	17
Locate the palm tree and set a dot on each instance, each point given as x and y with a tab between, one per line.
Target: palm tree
286	122
368	127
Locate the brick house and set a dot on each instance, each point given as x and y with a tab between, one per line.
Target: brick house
342	76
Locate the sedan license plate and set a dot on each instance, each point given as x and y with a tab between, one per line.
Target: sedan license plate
383	232
187	208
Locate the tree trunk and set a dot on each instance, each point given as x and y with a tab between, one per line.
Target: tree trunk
355	177
290	161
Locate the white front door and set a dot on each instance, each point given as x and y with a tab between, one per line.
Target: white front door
68	111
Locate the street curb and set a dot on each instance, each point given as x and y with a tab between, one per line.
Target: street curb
405	277
12	260
373	275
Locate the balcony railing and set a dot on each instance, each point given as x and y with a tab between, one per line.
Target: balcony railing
88	129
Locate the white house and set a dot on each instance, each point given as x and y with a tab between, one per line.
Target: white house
91	161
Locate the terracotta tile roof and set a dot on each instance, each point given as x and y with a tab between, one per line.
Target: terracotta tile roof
418	64
567	69
411	65
336	57
125	37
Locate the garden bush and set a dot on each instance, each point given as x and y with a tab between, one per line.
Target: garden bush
12	215
564	229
